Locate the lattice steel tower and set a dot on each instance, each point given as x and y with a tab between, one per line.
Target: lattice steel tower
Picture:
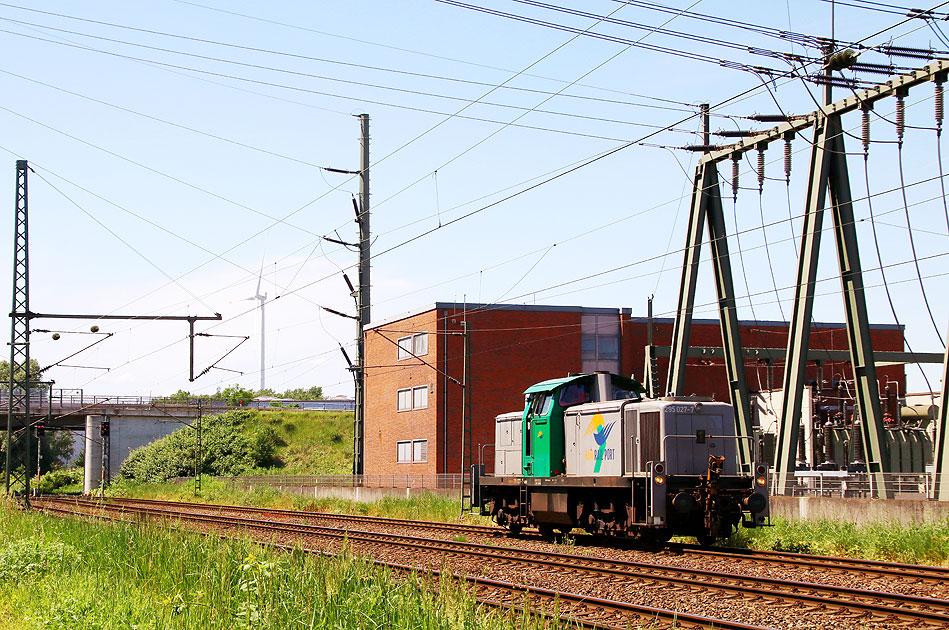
18	399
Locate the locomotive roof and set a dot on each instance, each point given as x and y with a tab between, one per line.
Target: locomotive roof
546	386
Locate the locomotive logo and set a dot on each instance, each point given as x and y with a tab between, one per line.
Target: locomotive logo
600	431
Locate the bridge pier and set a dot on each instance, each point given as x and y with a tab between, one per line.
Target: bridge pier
92	470
128	430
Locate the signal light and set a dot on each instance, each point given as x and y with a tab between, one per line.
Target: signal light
104	429
40	430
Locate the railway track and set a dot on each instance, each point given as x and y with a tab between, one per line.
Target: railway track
301	515
913	573
617	578
581	609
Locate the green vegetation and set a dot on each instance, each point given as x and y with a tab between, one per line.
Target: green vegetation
926	543
230	446
60	481
64	574
426	507
34	374
248	441
236	395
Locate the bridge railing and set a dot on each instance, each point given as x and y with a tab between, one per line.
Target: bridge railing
76	398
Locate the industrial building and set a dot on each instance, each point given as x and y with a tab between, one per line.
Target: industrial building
419	368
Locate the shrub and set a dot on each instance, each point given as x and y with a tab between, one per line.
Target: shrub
226	450
56	479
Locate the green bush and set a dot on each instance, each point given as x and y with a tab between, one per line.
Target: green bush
58	479
227	449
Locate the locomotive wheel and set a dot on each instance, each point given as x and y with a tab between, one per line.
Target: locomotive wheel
547	531
515	528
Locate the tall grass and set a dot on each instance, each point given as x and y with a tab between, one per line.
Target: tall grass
63	574
923	543
425	506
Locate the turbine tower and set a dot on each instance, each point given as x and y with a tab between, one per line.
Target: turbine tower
261	300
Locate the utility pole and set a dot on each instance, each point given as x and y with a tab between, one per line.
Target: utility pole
363	300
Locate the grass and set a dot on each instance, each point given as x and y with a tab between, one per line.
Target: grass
311	442
924	543
64	574
427	506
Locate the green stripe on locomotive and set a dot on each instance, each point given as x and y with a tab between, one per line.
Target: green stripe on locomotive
543	452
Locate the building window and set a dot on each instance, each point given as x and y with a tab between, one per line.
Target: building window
405	400
600	343
409	451
420	397
405	348
420	451
404	452
416	345
413	398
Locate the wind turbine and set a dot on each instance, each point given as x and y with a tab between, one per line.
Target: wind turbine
261	300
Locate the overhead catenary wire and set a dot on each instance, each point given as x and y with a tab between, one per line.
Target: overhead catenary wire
385	103
297	56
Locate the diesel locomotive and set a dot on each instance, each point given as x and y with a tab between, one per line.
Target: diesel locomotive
590	451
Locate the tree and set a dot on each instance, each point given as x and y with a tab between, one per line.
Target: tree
34	373
313	393
236	395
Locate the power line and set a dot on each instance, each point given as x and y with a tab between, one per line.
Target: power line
304	75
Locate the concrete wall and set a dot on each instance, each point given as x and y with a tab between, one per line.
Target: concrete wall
126	433
355	493
860	511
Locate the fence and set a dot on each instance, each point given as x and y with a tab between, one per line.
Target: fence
831	483
840	483
418	481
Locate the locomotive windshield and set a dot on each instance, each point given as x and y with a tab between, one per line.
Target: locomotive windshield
540	403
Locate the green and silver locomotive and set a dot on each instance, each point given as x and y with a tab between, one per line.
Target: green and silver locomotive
589	451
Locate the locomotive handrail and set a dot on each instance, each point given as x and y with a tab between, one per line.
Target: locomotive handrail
481	456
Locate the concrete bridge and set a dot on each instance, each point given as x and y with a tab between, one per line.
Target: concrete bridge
131	421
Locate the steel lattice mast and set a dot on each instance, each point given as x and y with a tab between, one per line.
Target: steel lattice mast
18	399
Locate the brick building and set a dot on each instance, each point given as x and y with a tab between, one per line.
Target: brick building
416	365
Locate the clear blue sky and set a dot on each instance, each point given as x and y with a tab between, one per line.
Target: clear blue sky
177	148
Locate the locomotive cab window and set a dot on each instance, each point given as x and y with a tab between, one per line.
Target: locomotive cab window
575	394
540	403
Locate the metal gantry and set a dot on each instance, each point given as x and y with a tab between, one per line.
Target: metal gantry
18	458
707	204
20	383
828	172
941	443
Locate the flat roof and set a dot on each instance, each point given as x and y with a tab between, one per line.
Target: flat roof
764	322
593	310
475	306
